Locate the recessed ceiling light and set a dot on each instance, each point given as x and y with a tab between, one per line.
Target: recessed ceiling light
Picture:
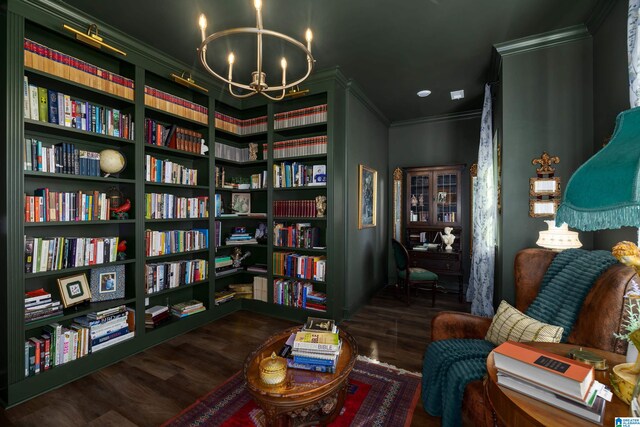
457	94
424	93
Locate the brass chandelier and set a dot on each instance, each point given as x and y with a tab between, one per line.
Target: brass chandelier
258	78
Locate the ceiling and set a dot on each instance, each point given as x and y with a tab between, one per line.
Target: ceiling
391	49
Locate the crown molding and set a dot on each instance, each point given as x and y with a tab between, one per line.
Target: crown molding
355	89
465	115
543	40
599	14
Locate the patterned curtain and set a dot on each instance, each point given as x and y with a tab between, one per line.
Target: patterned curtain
480	292
633	53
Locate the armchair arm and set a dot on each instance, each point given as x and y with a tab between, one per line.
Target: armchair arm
453	324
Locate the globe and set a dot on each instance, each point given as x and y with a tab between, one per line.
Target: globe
112	161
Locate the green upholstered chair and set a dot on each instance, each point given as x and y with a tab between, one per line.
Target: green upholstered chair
412	277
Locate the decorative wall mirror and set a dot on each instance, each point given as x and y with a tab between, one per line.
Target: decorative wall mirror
397	204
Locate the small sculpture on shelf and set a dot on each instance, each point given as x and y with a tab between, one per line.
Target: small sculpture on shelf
203	148
238	257
261	233
448	239
122	211
122	250
321	206
253	151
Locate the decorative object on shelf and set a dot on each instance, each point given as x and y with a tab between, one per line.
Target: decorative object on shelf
241	203
259	78
545	189
558	238
203	148
448	238
74	289
273	370
397	204
112	162
367	197
107	283
122	250
414	200
187	81
321	206
121	211
237	256
92	38
261	233
253	151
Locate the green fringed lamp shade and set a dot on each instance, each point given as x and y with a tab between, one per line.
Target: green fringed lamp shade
603	192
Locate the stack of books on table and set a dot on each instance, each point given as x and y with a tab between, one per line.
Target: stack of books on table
558	381
316	347
106	327
39	305
187	308
156	316
224	296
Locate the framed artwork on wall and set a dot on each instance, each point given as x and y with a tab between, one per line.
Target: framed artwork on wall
543	208
544	186
367	197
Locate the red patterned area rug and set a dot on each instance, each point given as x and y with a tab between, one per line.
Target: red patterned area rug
379	395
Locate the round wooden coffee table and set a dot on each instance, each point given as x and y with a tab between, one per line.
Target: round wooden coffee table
305	397
512	408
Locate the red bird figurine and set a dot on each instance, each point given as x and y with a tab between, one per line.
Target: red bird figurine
122	246
123	207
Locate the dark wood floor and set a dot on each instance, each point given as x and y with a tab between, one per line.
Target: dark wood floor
153	386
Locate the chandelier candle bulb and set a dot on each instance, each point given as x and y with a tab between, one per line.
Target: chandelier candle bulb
309	37
202	22
257	4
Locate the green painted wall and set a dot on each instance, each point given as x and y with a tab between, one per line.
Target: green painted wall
610	96
432	142
366	253
547	104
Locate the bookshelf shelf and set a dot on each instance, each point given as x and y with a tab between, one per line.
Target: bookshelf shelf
242	217
80	223
163	220
225	133
170	117
63	131
79	310
310	128
299	218
303	250
50	175
177	254
235	190
300	158
181	287
75	269
238	273
301	188
221	161
174	152
163	184
190	322
315	282
73	84
254	245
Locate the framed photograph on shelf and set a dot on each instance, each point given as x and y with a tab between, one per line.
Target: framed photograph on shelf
107	283
544	186
543	208
241	203
367	197
74	289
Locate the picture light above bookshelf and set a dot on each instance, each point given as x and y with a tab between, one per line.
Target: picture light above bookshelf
92	38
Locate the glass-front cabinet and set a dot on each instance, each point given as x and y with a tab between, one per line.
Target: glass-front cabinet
432	196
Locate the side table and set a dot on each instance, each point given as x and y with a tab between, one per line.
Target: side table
512	408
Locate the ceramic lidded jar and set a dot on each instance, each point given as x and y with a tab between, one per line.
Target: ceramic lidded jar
273	370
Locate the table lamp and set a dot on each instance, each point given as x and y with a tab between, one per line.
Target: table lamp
558	238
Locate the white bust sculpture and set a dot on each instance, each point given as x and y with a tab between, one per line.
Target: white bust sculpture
448	238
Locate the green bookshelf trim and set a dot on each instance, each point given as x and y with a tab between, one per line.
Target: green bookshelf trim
320	125
234	163
77	311
174	152
301	158
66	271
237	190
302	188
64	131
177	254
162	184
299	218
80	223
305	250
171	116
315	282
166	291
163	220
101	179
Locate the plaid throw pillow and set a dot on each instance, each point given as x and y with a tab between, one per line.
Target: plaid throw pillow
510	324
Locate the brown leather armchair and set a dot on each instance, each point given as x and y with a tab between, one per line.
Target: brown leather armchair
600	316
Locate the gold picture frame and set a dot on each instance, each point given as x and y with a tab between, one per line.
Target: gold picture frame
544	186
543	208
74	289
367	197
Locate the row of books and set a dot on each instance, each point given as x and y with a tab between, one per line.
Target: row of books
175	105
48	106
310	146
175	241
301	117
47	205
223	261
299	294
291	264
169	275
57	253
38	305
221	297
295	208
229	152
240	126
51	61
300	235
257	180
242	290
87	334
294	174
187	308
170	206
60	158
156	316
260	287
565	383
172	136
168	172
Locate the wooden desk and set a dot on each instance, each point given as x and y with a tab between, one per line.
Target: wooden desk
514	409
441	262
305	397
